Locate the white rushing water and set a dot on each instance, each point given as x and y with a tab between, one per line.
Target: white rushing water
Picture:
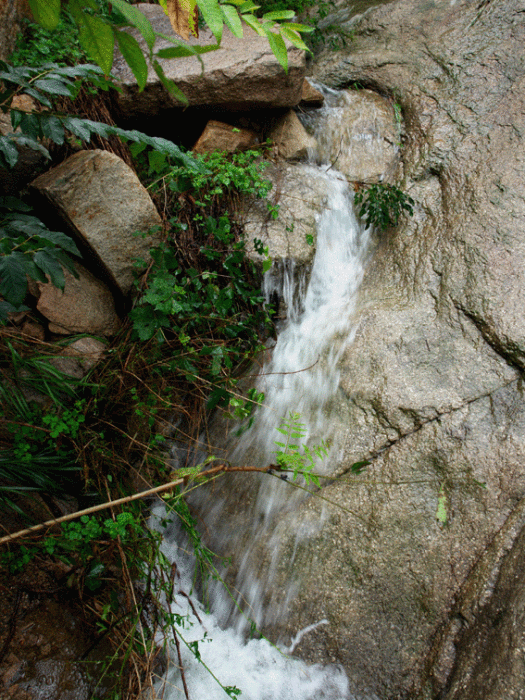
301	376
228	660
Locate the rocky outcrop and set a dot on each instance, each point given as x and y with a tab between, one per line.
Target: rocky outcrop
360	136
102	202
430	389
406	559
242	74
300	194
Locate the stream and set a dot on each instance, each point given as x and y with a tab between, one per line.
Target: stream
300	377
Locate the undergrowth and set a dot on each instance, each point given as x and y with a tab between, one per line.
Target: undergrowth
198	316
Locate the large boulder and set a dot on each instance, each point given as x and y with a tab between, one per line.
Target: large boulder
403	559
104	205
290	138
218	136
242	74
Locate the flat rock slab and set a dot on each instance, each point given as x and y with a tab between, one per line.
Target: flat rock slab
242	74
103	203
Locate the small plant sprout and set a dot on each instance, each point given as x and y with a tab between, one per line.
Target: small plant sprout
298	457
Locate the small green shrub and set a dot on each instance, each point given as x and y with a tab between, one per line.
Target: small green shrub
202	305
381	205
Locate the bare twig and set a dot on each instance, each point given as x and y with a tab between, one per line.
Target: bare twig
224	468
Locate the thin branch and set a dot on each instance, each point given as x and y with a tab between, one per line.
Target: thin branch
135	497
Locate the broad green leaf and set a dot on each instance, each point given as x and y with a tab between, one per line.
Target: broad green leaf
38	96
254	23
279	49
193	50
293	38
96	38
62	240
14	203
66	262
358	467
85	70
164	5
138	20
176	52
169	84
33	270
46	12
212	16
52	128
78	127
30	125
52	86
31	143
9	151
130	49
249	7
16	118
48	263
278	15
157	161
232	20
296	27
13	283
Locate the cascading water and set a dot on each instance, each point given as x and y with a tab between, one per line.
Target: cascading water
301	376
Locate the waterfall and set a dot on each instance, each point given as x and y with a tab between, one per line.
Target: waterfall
300	376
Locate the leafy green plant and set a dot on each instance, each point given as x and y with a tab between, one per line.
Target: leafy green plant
44	84
381	205
298	457
98	34
36	46
202	300
28	248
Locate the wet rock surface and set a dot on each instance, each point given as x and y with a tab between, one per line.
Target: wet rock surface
430	389
43	640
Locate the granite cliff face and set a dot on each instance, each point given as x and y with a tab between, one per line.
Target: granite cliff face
431	390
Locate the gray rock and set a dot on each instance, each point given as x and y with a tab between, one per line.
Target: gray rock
300	192
360	136
242	74
404	557
103	203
